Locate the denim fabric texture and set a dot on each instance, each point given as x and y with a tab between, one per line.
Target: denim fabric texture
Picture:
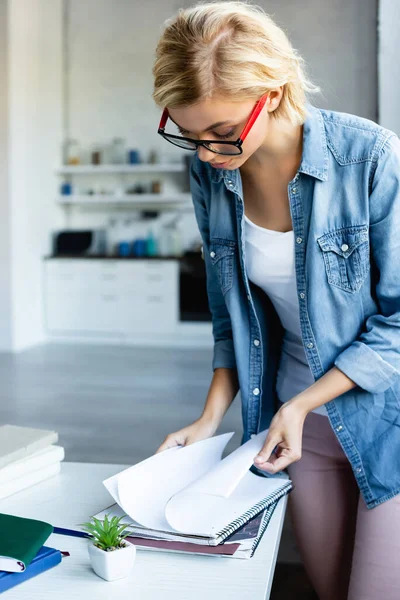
345	208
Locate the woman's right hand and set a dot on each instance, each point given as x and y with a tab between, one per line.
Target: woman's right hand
199	430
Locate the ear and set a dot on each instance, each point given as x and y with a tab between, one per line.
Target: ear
274	98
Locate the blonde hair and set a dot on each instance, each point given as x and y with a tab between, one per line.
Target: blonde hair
228	49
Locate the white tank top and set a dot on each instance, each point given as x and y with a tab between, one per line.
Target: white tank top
270	265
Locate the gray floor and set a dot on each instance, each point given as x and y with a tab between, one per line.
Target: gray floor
112	404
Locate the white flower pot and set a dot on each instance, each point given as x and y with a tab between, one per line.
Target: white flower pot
115	564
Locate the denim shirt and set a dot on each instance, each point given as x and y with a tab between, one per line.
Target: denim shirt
345	208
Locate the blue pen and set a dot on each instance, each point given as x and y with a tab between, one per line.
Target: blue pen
71	532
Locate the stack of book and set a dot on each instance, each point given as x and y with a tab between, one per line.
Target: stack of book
27	456
189	499
22	551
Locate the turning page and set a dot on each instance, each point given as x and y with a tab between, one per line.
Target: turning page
142	491
222	494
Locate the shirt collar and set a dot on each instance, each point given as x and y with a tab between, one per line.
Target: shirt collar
314	159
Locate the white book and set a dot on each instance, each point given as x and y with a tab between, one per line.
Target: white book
34	462
16	485
18	442
191	492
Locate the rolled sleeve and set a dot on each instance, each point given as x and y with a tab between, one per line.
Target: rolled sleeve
366	368
224	355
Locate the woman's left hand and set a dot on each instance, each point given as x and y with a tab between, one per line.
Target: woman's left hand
285	433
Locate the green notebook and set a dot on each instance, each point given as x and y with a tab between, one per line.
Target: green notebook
20	541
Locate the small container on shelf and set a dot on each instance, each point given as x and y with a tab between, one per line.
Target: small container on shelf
152	249
156	187
153	157
118	151
66	188
139	247
124	249
134	157
96	155
71	152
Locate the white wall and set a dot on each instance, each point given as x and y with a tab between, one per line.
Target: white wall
5	250
34	123
111	51
389	64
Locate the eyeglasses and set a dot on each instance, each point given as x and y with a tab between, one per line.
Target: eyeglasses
218	147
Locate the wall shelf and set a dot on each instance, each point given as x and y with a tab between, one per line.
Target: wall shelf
115	169
131	199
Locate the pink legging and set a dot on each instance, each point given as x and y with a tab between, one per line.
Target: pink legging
349	552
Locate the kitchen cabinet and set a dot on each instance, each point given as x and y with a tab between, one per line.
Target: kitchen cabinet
111	297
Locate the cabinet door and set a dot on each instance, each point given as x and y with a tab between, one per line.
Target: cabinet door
149	299
76	302
112	297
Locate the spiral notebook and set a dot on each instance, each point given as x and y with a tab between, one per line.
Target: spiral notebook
192	494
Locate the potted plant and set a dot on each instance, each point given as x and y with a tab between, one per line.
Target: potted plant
111	555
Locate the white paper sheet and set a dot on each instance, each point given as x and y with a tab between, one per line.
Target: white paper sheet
143	490
222	494
205	514
223	478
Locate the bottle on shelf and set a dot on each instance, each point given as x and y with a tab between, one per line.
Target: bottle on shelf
174	237
118	151
152	249
66	188
96	155
112	237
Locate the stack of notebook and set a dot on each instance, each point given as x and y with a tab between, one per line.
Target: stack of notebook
22	551
189	499
27	456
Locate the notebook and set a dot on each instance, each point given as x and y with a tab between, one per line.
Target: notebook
18	442
192	494
28	480
242	544
34	462
45	559
20	541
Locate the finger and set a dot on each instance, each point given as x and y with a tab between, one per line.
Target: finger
266	451
280	461
170	442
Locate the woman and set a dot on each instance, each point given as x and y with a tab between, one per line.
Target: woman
299	212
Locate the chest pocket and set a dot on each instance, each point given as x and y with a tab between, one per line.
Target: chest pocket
222	255
347	256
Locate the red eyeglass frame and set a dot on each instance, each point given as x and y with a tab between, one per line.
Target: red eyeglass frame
238	143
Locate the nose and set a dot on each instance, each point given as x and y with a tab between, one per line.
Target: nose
204	154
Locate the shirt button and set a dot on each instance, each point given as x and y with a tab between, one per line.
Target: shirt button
256	342
299	240
248	297
345	247
256	392
294	190
310	345
212	254
358	470
302	295
339	428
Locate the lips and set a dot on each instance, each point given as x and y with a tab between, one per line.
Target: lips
220	165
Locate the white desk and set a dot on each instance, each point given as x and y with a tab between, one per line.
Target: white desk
77	493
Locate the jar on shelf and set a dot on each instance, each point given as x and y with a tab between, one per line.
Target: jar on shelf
118	151
71	152
96	155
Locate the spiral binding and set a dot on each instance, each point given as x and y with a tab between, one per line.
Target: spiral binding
252	512
267	517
